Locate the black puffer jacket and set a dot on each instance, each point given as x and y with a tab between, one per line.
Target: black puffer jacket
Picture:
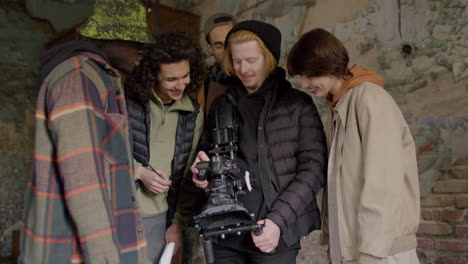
292	156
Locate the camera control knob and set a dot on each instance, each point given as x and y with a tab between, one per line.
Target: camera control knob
227	162
201	174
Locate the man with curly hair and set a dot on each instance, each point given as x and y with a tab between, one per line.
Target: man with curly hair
166	125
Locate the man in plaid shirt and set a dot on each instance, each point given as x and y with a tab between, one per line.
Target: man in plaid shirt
80	205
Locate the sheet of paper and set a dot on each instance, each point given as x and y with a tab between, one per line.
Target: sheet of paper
167	254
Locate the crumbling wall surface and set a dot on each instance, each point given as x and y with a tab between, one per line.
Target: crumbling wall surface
21	39
61	14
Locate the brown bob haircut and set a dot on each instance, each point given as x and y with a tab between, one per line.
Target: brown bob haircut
244	36
318	53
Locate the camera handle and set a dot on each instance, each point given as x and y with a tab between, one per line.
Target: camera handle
258	231
208	249
208	243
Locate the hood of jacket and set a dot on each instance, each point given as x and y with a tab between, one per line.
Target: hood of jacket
53	57
358	76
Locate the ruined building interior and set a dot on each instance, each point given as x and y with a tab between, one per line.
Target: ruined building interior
419	47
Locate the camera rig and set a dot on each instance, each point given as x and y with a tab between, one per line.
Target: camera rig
223	214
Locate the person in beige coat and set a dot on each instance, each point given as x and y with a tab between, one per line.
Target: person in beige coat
371	205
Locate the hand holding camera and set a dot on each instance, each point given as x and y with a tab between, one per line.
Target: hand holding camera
200	183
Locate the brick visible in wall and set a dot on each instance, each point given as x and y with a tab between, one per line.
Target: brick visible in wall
460	171
425	243
461	201
450	260
461	231
437	200
451	186
442	257
451	245
435	229
456	215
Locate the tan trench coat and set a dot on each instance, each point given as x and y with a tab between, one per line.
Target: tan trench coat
376	174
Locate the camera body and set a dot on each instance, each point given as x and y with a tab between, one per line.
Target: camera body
226	180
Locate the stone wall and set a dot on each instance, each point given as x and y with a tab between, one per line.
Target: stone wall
20	41
420	47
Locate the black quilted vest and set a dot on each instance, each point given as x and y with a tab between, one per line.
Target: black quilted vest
139	119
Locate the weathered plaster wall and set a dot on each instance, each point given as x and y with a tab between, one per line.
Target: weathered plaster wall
62	14
420	47
20	43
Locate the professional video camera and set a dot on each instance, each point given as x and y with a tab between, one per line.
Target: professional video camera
222	214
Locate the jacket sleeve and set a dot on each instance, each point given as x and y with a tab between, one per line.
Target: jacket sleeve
189	193
311	156
77	122
380	125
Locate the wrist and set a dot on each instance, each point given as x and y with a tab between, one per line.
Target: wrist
139	173
271	222
136	169
277	220
177	226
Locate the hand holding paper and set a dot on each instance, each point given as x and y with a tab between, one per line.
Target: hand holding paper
167	254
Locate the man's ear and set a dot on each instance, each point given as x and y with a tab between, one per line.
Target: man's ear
208	46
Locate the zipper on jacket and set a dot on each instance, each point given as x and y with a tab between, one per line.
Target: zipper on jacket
276	184
268	175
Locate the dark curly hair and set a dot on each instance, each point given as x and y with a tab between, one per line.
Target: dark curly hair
170	47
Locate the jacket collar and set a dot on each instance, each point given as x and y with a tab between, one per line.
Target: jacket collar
101	62
56	55
183	104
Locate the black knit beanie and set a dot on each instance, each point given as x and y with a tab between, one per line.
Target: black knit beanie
269	34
